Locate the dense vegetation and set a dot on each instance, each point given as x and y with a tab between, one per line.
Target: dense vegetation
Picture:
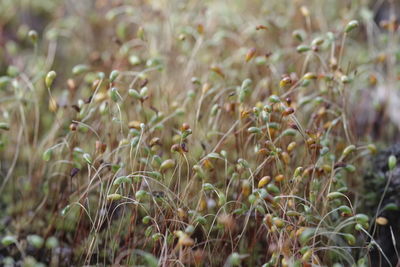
193	133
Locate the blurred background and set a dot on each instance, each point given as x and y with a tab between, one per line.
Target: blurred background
173	47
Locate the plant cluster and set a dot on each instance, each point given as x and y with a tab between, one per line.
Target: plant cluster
182	133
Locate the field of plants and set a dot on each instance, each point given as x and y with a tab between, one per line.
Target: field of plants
199	133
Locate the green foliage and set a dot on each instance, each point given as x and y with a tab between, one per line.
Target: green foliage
223	133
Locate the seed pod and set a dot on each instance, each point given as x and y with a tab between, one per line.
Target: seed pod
176	148
392	162
299	35
189	229
305	235
135	94
35	240
289	132
273	189
391	207
278	222
202	205
303	48
185	126
79	69
4	126
200	219
358	227
148	231
180	112
268	220
207	187
250	54
351	240
221	199
146	219
334	195
140	194
52	242
134	125
123	142
345	210
33	36
4	81
52	105
372	148
140	33
181	37
254	130
252	199
327	168
217	70
47	154
243	163
87	158
65	210
279	178
99	146
155	141
274	99
305	11
114	197
345	79
293	213
156	236
317	41
144	91
134	60
214	110
350	168
8	240
267	108
181	213
288	111
360	217
351	26
122	180
186	133
243	92
205	88
261	27
291	146
381	221
246	84
135	141
298	171
207	164
167	164
307	256
199	171
234	259
114	94
245	188
285	82
348	150
51	75
310	76
265	180
285	157
323	150
13	71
